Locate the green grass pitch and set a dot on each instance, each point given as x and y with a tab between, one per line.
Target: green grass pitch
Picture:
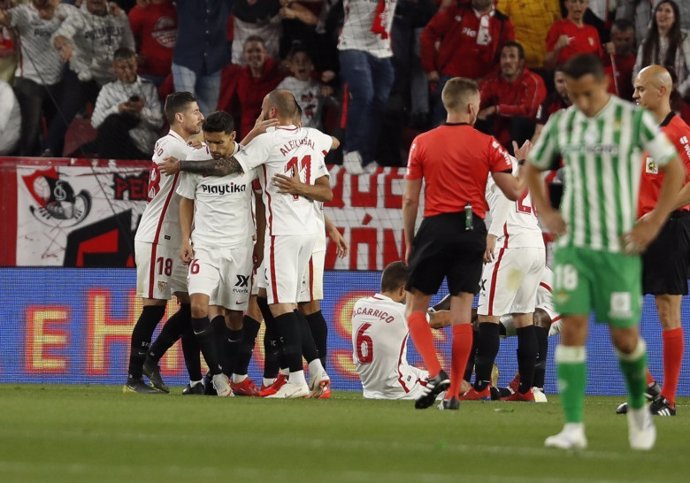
97	434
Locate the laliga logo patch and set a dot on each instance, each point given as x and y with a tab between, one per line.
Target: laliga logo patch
591	41
56	202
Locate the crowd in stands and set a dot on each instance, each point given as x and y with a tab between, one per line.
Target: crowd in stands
358	68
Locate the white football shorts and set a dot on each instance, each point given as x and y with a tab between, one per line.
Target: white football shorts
286	260
160	272
509	284
312	283
224	274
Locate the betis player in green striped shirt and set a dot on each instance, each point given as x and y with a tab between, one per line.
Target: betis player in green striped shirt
596	262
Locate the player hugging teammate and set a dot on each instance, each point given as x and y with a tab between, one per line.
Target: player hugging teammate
208	209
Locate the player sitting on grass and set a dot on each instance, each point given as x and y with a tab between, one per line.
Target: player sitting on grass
379	340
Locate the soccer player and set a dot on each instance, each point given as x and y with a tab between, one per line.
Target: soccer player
509	285
597	265
546	322
218	249
160	273
454	161
665	260
291	221
379	341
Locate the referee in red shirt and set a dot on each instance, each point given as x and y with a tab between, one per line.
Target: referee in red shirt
453	161
665	263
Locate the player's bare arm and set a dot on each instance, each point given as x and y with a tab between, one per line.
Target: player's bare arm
413	187
319	191
550	218
258	255
186	220
260	127
647	228
683	197
334	234
212	167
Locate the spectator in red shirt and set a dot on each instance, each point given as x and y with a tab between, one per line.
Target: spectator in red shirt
154	25
621	50
453	161
469	40
511	97
248	85
571	36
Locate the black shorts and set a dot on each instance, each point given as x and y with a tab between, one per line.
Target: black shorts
443	248
665	263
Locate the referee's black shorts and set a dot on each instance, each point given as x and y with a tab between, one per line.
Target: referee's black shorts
443	248
665	263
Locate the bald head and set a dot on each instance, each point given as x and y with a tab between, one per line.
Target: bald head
653	87
280	104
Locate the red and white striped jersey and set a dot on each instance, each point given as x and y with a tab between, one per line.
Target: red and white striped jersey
160	222
286	150
379	349
515	223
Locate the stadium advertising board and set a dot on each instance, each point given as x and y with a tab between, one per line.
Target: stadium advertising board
74	325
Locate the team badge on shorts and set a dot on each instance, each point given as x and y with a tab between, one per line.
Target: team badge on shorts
621	305
162	285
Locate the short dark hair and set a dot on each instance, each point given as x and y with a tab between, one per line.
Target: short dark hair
254	38
124	53
177	102
298	47
517	45
394	276
582	65
219	121
623	24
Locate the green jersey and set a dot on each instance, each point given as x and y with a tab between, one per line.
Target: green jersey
602	158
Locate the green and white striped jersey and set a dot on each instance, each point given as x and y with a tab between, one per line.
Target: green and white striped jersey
602	156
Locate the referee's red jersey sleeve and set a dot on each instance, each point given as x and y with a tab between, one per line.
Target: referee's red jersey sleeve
499	159
414	161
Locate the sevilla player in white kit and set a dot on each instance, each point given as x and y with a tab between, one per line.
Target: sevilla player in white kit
292	227
160	273
509	285
218	249
379	341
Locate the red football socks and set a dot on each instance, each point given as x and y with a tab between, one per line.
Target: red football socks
462	345
673	345
424	341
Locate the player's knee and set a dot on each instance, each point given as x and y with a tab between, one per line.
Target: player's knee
542	319
199	309
625	341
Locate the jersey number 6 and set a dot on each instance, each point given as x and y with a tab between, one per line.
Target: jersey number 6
365	346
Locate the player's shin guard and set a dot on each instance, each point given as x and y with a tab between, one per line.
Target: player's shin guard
527	357
141	337
673	346
224	348
271	365
203	331
634	369
291	340
173	329
463	335
487	348
319	330
424	341
571	366
250	328
309	350
469	368
542	335
191	351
